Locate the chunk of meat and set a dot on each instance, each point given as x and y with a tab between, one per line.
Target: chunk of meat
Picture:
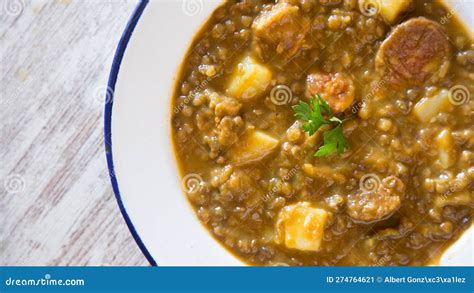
284	26
335	88
222	104
377	202
229	130
415	52
301	227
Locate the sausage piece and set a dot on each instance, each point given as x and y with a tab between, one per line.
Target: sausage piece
378	202
284	26
415	52
335	88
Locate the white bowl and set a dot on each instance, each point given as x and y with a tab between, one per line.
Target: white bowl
143	169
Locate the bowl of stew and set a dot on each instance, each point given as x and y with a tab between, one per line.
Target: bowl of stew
295	132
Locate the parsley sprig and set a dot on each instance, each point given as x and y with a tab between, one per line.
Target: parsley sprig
316	114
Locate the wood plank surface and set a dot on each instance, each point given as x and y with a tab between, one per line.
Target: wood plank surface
56	202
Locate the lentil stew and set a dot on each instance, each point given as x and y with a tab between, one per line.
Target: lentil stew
329	132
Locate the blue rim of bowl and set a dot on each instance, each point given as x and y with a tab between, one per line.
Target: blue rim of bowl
122	46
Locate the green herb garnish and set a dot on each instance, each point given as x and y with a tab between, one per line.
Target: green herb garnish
316	114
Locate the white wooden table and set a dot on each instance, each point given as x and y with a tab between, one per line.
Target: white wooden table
56	202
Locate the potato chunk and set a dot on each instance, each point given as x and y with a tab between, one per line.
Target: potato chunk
301	226
249	80
446	149
428	107
392	9
252	147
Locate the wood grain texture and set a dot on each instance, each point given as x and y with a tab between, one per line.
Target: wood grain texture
56	202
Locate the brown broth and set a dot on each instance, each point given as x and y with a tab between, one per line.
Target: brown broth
240	204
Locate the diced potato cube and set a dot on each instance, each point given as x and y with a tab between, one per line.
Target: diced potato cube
301	227
252	147
249	80
428	107
392	9
446	149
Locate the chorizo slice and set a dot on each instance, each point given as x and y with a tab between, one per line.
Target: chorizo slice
376	203
415	52
335	88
